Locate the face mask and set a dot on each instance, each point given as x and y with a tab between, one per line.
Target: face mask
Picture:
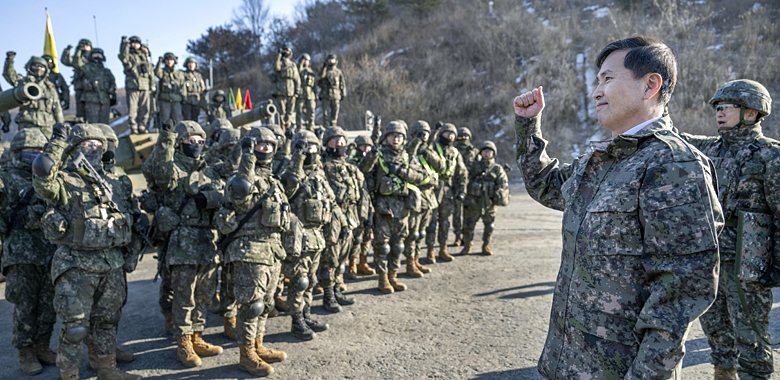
192	150
39	73
309	158
264	158
445	142
463	142
286	54
93	154
336	152
109	154
360	154
28	157
331	64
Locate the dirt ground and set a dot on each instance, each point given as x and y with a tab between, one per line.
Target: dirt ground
477	317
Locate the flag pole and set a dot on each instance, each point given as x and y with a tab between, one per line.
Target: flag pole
97	41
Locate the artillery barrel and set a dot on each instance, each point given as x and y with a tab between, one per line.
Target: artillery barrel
15	97
264	110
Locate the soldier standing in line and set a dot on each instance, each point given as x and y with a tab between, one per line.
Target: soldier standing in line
139	82
218	108
59	82
452	188
98	88
487	188
307	101
363	235
640	225
27	255
332	90
194	90
256	251
287	84
78	59
91	224
170	88
44	112
748	167
469	154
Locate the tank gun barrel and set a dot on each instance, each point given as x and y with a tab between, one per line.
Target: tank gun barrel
264	110
15	97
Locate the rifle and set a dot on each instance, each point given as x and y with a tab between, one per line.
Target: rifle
25	196
225	241
104	191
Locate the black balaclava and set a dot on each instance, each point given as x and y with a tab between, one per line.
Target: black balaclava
264	158
339	151
108	156
93	154
27	157
192	150
445	142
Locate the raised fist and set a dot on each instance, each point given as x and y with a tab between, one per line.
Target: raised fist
60	131
168	125
68	47
124	38
10	54
530	104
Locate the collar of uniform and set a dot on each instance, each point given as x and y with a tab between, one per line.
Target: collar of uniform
625	145
743	135
191	163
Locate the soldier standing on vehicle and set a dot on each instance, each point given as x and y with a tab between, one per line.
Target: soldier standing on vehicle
169	96
487	188
287	84
640	225
139	82
59	82
332	90
307	101
41	113
76	61
194	90
98	88
469	154
218	108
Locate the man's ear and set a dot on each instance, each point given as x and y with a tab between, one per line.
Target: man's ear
653	83
751	114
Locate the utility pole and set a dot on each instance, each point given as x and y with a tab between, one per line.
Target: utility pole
97	41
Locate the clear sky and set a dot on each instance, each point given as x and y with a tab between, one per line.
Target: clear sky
165	25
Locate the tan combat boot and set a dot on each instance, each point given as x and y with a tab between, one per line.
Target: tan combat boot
384	285
92	358
186	353
124	356
42	351
107	370
342	284
168	323
203	348
318	289
363	268
466	248
70	375
725	374
249	361
391	278
268	355
230	328
443	255
431	258
411	269
280	304
28	363
422	268
352	272
457	240
486	249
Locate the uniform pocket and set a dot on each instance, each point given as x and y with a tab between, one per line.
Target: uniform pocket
612	224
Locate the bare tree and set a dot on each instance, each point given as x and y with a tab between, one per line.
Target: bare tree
252	16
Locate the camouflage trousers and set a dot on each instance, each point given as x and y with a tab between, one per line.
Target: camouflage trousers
80	112
389	232
96	112
91	301
330	112
166	291
306	109
169	110
227	299
471	215
193	287
285	108
138	103
733	342
30	289
360	242
190	111
440	222
296	269
418	222
335	257
253	283
457	218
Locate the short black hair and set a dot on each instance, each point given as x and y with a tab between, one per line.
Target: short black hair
646	55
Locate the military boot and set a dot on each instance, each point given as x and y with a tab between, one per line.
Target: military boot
342	284
273	313
411	269
249	361
443	255
28	363
186	353
363	268
268	355
431	258
70	375
391	278
280	304
92	358
124	356
313	324
203	348
300	329
725	374
352	273
486	249
384	285
42	351
216	305
341	298
317	289
168	323
457	240
230	328
466	248
329	300
419	266
107	370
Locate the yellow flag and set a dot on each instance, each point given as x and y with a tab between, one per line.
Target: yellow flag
48	44
239	102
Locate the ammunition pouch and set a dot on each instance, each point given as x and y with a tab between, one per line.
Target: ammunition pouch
167	220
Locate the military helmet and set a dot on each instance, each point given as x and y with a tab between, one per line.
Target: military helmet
85	42
363	140
28	138
305	56
488	145
38	60
190	59
83	132
463	131
449	127
98	50
419	125
170	55
306	136
287	46
187	128
331	56
134	39
395	126
108	132
262	134
746	93
218	93
229	137
275	128
48	58
332	132
219	124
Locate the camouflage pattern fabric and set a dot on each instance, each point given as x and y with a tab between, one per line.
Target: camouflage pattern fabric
485	179
307	101
452	181
332	90
304	266
99	87
288	86
253	283
169	94
165	298
76	61
392	231
640	256
218	111
472	213
418	221
228	308
193	92
470	155
30	289
42	113
193	287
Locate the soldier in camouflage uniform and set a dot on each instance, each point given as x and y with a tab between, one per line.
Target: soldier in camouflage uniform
361	245
307	101
215	128
193	193
139	82
256	251
194	90
218	108
313	202
640	225
169	96
333	89
469	154
282	155
59	82
27	255
748	167
394	177
98	88
76	61
487	183
91	225
287	84
452	188
44	112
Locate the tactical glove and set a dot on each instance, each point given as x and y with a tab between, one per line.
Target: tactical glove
60	131
124	38
65	105
344	233
300	145
6	119
141	223
770	278
393	168
168	125
288	133
200	201
247	145
438	125
422	151
10	54
460	197
68	47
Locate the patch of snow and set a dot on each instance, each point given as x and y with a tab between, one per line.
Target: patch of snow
520	77
756	6
531	10
500	133
488	87
700	2
481	73
496	119
119	121
546	23
527	3
590	8
601	12
715	47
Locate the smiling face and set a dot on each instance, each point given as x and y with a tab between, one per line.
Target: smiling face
619	96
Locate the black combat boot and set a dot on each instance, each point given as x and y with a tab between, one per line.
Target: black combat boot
314	325
329	300
300	329
341	298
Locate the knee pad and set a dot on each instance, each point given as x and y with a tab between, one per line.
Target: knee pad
415	235
75	334
342	269
489	228
256	309
446	224
302	283
422	235
384	249
323	275
272	304
398	248
114	320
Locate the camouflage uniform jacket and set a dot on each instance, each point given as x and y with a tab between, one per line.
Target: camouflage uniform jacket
640	256
223	160
138	70
347	183
308	83
62	86
171	83
332	86
260	239
194	237
90	234
43	112
219	111
280	163
286	77
486	178
76	61
194	87
748	167
432	164
98	84
454	175
25	243
390	191
468	152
